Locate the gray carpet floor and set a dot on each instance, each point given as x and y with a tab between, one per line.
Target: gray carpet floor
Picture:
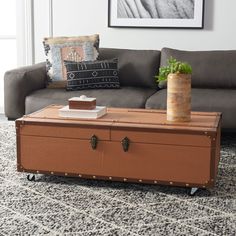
69	206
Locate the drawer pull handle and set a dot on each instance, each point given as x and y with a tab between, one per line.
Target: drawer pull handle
125	144
94	142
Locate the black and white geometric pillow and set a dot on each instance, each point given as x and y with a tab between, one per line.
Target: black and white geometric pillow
92	74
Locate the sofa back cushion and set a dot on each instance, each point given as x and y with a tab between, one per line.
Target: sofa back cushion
137	68
211	69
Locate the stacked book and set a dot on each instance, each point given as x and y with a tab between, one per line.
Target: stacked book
82	107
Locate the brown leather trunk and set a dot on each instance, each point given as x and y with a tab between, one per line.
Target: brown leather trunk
134	145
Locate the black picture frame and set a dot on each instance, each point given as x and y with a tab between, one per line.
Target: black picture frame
197	22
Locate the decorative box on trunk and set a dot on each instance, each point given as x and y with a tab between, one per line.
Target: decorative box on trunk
82	102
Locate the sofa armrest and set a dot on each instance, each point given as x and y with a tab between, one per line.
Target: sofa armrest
18	84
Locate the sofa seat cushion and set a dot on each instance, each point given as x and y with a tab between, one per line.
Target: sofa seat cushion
124	97
211	69
215	100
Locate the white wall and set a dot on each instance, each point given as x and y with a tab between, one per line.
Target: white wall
8	54
83	17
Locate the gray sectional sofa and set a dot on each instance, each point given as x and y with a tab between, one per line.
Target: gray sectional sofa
213	83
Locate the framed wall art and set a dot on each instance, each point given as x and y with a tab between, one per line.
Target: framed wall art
156	13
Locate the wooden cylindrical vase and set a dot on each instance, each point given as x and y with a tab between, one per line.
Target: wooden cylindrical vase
179	97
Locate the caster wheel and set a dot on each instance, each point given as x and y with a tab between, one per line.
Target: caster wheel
192	191
31	177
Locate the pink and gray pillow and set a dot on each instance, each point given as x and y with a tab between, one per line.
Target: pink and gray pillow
58	49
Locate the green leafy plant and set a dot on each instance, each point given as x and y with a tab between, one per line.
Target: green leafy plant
173	66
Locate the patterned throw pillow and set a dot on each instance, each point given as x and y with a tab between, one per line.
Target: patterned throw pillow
58	49
92	75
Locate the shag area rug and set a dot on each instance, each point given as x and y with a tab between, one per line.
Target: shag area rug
69	206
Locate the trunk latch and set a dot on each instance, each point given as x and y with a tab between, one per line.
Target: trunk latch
94	142
125	144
